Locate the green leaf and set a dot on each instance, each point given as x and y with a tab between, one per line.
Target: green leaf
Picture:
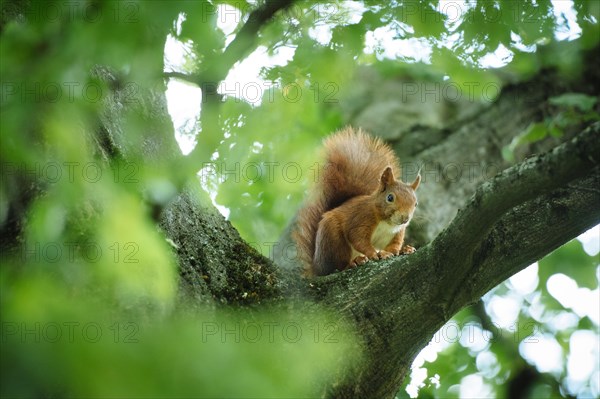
555	131
350	37
200	26
581	101
535	132
572	260
508	154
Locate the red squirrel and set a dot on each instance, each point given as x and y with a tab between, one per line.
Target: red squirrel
358	210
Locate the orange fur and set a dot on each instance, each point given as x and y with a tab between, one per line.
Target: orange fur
348	205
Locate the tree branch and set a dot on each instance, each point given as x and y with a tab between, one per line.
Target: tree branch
526	234
239	48
514	186
398	305
245	40
524	181
190	78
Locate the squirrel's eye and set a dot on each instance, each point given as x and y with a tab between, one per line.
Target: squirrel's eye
390	198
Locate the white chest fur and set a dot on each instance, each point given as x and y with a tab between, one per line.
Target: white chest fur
382	236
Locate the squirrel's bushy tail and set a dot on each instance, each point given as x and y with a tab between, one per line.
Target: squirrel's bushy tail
354	162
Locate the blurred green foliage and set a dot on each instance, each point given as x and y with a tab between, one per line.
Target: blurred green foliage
59	342
88	301
89	297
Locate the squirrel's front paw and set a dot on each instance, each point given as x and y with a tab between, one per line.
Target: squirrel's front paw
383	254
407	249
395	250
359	260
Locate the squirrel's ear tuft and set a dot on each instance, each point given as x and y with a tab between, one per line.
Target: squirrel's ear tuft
387	178
415	184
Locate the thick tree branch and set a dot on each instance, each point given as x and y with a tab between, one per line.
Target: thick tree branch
398	305
215	264
524	181
514	186
525	234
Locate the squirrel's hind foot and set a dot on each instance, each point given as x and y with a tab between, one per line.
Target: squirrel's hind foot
383	254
